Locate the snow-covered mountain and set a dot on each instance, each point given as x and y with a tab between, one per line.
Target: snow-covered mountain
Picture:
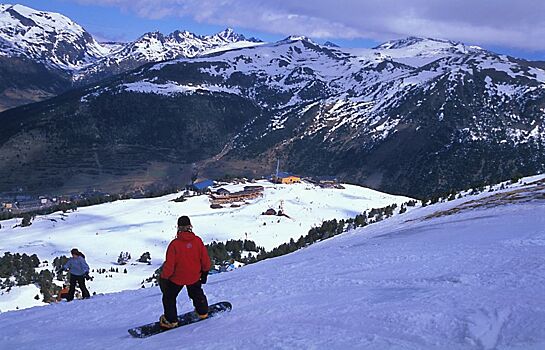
464	274
38	46
361	100
147	225
54	39
38	52
46	37
155	47
417	116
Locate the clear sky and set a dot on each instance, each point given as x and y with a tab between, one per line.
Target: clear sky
512	27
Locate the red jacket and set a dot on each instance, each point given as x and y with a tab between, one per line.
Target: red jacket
186	258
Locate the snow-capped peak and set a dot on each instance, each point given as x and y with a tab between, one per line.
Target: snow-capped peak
55	40
418	46
155	46
411	41
182	35
298	38
418	51
330	44
229	35
46	36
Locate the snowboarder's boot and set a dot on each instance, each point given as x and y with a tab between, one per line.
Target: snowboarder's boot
165	324
202	317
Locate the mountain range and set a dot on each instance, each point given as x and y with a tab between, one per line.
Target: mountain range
416	116
54	54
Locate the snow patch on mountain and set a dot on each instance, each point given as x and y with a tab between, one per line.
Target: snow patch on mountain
501	89
171	88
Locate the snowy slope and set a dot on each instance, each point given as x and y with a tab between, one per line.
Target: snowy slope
417	52
361	91
466	274
141	225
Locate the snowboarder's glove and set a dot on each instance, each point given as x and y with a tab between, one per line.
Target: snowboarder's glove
204	277
87	277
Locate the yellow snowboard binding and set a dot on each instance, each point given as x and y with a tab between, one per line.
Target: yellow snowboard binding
165	324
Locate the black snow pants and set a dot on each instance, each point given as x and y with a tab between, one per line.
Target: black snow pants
170	292
80	280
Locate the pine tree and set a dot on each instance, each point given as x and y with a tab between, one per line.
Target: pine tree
27	220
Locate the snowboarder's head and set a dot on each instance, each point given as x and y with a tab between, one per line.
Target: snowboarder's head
184	224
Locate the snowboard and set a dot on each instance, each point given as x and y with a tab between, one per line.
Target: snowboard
188	318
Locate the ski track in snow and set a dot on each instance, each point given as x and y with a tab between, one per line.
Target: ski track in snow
408	282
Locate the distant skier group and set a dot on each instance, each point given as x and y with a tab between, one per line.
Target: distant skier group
187	264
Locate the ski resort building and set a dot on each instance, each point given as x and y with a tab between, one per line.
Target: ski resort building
324	181
254	188
286	178
202	185
222	192
223	196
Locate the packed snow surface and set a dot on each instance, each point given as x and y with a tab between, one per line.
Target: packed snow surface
465	274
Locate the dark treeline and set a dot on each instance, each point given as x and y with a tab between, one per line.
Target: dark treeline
475	189
21	267
224	253
20	270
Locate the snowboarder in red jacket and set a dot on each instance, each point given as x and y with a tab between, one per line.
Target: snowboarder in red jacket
187	264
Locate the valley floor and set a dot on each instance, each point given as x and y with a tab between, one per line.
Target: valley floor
469	279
